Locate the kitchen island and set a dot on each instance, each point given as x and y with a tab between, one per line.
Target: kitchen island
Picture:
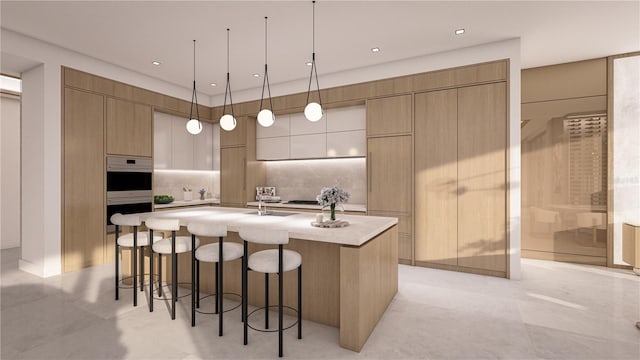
350	274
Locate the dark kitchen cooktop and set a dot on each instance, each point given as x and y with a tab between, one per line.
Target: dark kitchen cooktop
303	202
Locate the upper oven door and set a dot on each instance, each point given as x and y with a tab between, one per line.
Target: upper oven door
127	181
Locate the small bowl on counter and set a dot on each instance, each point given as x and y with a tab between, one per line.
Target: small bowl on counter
163	199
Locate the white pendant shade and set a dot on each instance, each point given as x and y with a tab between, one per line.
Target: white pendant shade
266	118
227	122
313	111
194	127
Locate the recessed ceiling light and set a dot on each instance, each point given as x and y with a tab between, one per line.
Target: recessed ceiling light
156	63
213	84
256	75
459	31
308	63
375	49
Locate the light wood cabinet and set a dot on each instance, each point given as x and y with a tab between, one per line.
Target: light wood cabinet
389	174
460	178
482	134
389	115
129	130
240	172
84	173
389	186
436	177
181	145
233	175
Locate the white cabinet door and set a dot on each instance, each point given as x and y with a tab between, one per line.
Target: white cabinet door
162	141
301	126
203	148
279	128
308	146
275	148
182	157
346	119
216	147
347	143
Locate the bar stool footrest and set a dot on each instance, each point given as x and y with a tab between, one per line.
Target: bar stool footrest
276	329
224	311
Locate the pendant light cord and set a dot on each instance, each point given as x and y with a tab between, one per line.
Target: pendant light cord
314	69
194	94
228	88
265	79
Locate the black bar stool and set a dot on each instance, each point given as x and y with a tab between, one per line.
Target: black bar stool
136	240
272	261
227	251
174	245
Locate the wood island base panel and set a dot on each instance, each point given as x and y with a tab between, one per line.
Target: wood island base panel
349	277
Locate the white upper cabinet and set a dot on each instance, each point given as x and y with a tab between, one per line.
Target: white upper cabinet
182	145
301	126
162	141
175	148
340	133
279	128
347	119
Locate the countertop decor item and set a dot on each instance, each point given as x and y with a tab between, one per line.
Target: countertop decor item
202	192
332	196
330	224
194	126
163	199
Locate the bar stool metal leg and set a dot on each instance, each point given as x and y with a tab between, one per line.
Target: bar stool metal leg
135	266
221	288
266	301
151	270
174	275
215	287
193	280
280	276
198	283
141	277
300	302
159	274
245	295
117	262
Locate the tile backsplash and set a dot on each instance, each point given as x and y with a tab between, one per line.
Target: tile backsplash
171	182
303	179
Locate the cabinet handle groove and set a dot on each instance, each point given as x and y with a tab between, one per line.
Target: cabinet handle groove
369	171
244	173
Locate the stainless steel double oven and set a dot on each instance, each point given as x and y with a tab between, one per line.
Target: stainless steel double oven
129	181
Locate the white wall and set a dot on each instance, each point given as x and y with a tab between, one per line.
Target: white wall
47	152
9	171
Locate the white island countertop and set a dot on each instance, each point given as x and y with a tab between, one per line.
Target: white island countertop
360	230
181	203
347	207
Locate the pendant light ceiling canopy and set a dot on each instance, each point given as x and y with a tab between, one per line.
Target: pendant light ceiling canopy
266	117
194	126
228	121
313	111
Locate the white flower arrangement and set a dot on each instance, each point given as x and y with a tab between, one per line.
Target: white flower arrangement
331	196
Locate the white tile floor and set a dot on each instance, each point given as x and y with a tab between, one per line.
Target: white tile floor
557	311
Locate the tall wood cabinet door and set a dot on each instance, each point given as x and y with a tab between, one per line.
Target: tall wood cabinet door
389	174
482	131
84	204
436	177
129	130
237	136
389	115
233	173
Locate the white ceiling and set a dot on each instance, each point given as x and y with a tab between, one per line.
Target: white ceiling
132	34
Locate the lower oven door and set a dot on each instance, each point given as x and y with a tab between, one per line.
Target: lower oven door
123	204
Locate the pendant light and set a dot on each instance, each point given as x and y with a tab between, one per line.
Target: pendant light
266	117
194	126
228	121
313	110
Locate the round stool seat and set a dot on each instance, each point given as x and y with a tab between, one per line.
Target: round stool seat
266	261
183	244
126	240
209	252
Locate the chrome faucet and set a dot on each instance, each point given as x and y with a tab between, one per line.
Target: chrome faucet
260	211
